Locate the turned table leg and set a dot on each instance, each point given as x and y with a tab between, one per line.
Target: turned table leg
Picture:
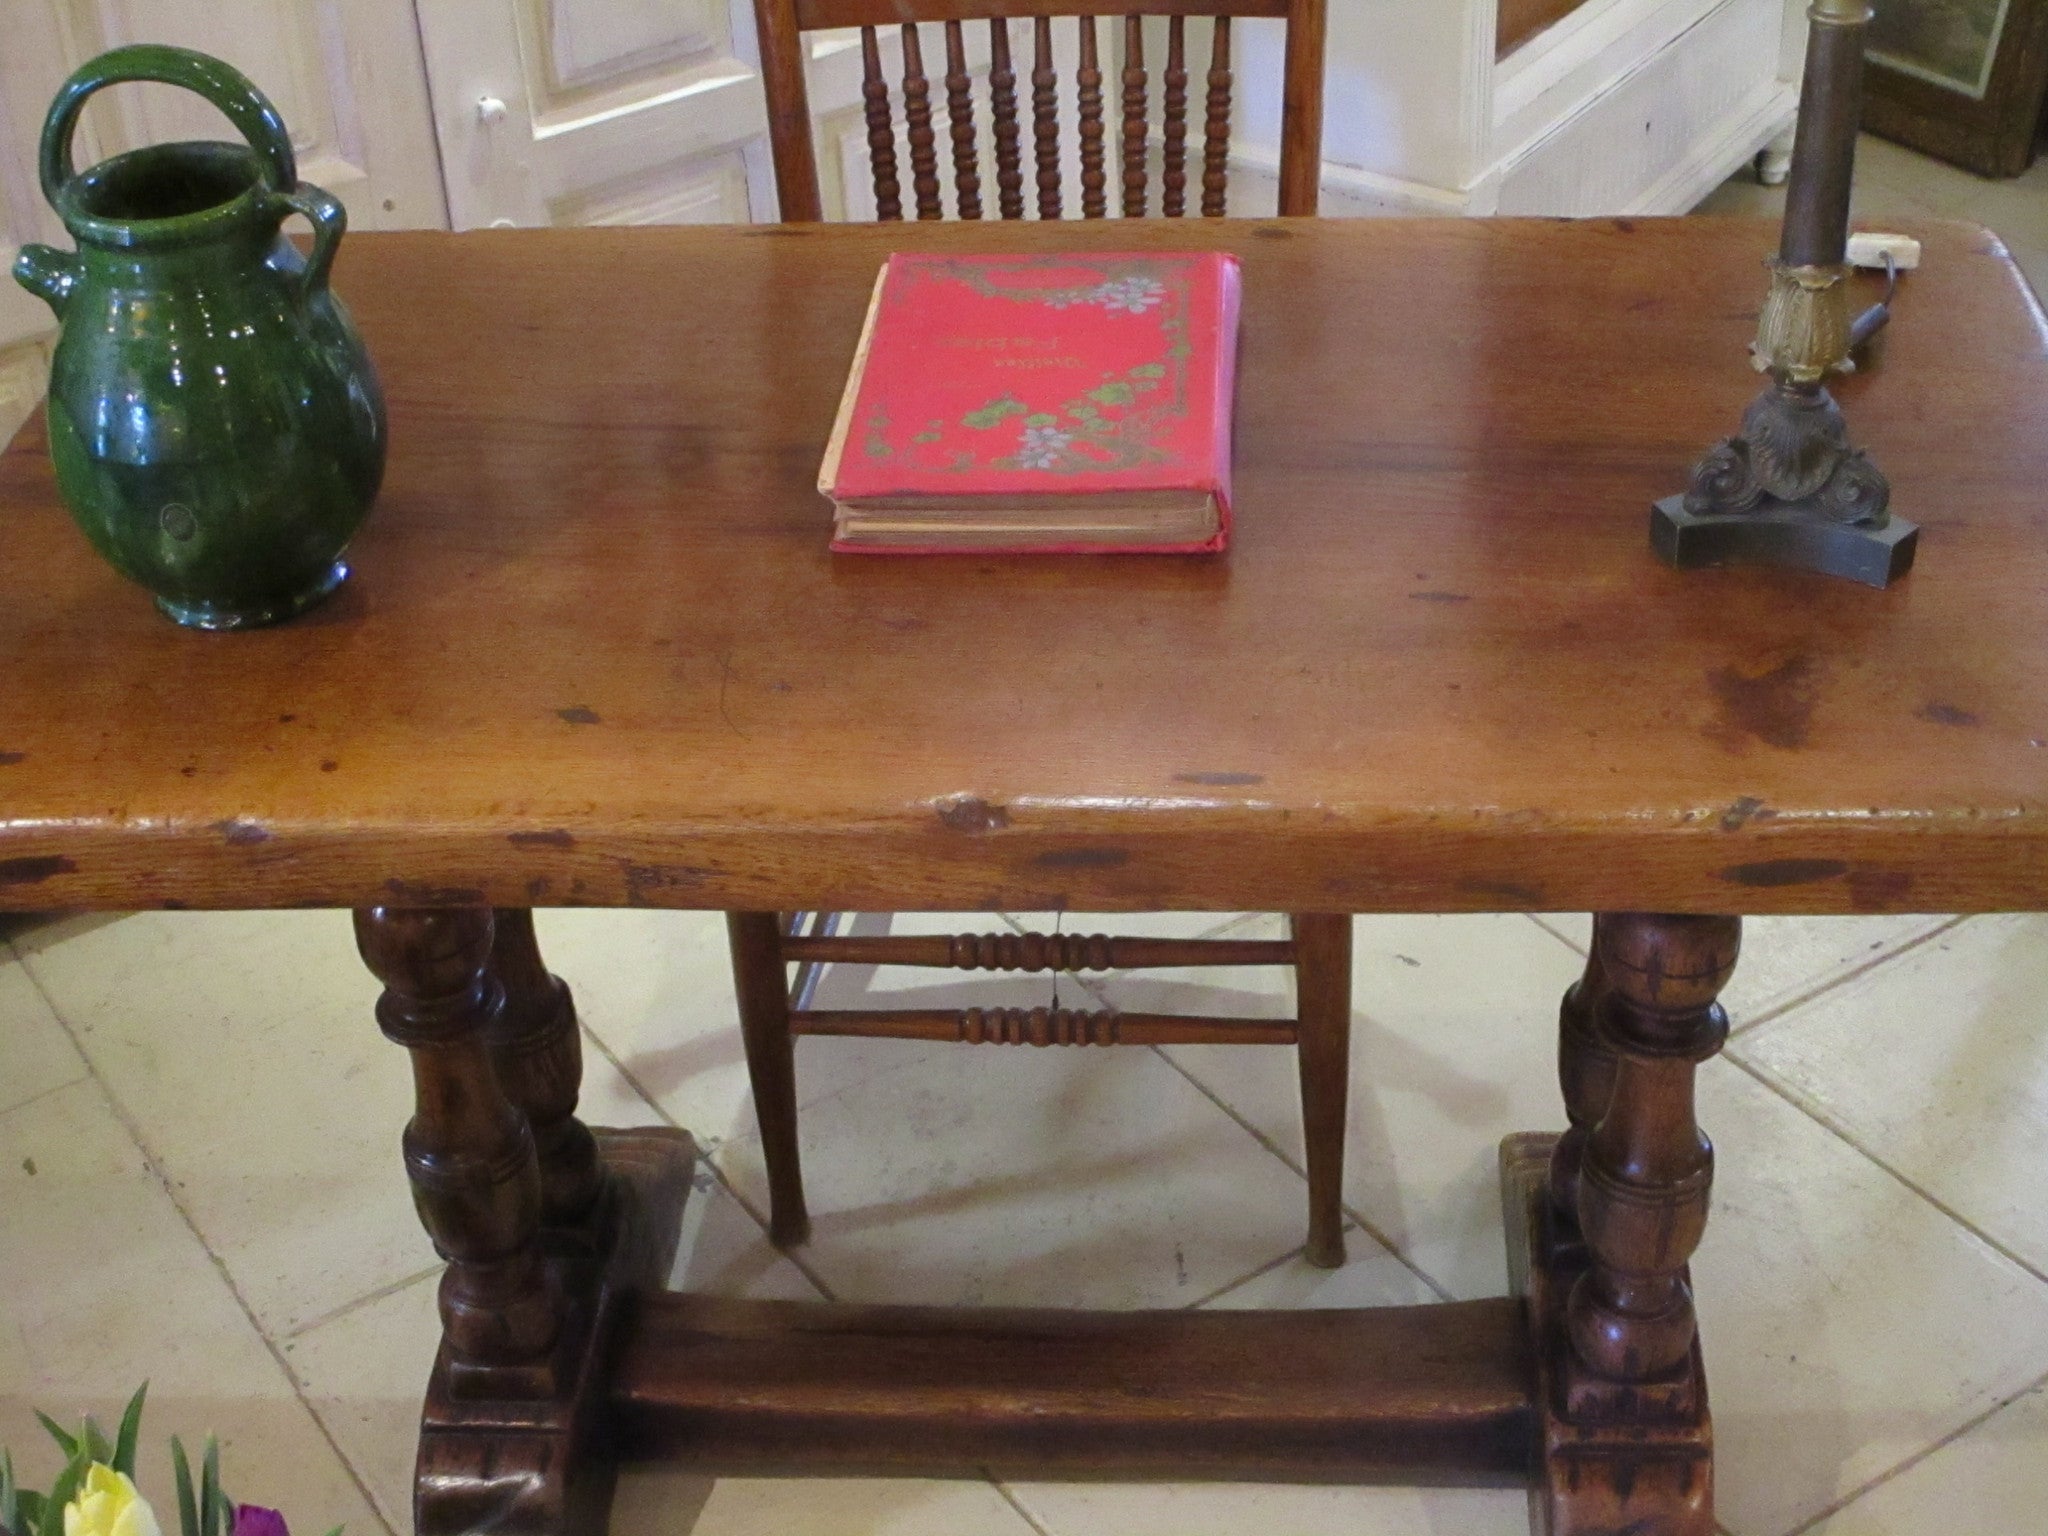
1585	1073
468	1150
539	1058
1648	1168
1602	1221
511	1186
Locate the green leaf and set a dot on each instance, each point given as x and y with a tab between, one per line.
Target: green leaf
1118	393
10	1502
188	1507
217	1514
209	1487
62	1492
131	1431
1041	419
65	1442
96	1442
31	1510
993	414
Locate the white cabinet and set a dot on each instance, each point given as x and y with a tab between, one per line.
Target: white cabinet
1620	107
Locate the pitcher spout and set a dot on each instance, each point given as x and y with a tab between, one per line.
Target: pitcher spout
50	274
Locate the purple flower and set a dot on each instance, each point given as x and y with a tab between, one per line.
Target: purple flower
255	1520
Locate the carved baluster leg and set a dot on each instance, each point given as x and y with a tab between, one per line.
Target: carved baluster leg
539	1056
1626	1441
1585	1071
762	985
468	1150
1322	960
1647	1171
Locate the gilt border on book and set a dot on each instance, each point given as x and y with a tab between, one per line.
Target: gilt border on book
1115	425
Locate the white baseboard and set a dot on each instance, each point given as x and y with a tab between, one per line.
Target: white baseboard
1347	191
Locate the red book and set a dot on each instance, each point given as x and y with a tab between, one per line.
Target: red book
1039	404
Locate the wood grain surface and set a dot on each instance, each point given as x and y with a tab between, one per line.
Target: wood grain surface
595	650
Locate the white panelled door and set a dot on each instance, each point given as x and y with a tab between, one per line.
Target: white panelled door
644	111
598	111
345	74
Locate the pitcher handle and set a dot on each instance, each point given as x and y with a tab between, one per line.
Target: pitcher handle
222	84
330	222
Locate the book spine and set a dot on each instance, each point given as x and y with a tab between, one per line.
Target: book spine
1229	290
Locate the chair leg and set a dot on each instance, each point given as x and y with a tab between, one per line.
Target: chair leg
762	986
1322	969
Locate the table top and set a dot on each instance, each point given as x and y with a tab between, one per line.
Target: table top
595	650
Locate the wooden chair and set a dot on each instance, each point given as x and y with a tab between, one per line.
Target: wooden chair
765	944
782	23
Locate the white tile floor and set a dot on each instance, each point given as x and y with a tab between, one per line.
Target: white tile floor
198	1137
198	1142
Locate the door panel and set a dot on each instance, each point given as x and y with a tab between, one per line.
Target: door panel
598	111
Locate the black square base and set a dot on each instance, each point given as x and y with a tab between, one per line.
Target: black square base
1786	535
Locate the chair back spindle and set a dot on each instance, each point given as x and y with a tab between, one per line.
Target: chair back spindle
783	23
1216	142
874	91
960	113
1088	84
917	117
1002	90
1173	156
1045	118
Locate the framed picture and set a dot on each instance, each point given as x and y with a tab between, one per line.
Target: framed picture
1960	79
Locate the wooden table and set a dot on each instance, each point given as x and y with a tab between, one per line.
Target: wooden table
596	653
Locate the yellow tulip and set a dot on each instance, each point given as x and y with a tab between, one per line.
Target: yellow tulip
108	1505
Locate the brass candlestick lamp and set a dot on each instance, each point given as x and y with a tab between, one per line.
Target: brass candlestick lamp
1788	489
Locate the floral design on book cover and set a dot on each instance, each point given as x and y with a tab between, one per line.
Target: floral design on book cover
1116	424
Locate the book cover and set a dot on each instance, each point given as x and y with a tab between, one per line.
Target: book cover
1034	391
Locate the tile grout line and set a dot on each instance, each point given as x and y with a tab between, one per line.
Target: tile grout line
1799	1000
1260	1137
1243	1280
84	1076
705	1145
1842	1134
356	1304
1011	1499
799	1262
705	1160
1778	1011
1914	1460
1545	927
1356	1218
162	1177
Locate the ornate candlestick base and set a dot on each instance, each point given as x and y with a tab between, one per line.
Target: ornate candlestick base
1788	489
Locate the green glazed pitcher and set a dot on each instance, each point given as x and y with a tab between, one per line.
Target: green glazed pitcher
217	428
